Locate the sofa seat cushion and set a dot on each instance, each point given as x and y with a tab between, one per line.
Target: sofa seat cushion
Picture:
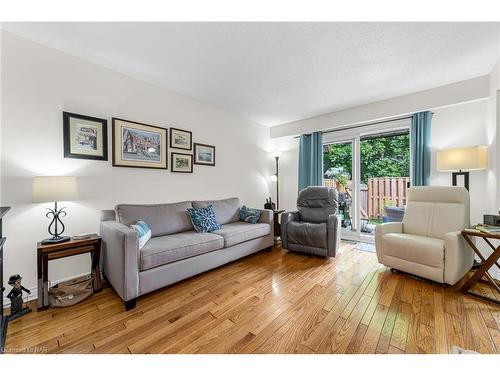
235	233
413	248
307	234
171	248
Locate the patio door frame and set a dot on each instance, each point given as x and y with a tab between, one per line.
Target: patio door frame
354	135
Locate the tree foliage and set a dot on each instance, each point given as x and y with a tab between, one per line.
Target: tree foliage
380	157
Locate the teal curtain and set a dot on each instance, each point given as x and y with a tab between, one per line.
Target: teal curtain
311	160
420	136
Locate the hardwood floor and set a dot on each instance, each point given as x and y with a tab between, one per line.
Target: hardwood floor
275	302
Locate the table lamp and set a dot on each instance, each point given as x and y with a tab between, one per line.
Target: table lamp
55	189
463	160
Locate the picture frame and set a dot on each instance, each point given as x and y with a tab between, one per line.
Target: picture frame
85	137
138	145
181	163
204	154
181	139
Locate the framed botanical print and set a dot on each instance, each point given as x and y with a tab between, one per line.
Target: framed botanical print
85	137
182	139
204	154
181	163
139	145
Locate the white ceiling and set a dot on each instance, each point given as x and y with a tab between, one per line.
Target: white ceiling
273	73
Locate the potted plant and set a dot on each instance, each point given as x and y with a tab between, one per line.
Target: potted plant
340	176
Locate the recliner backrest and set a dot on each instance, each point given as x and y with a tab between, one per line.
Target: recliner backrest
433	211
316	203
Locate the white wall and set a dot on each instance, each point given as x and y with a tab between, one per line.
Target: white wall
38	83
466	125
443	96
460	125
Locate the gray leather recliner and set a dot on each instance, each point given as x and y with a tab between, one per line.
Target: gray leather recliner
315	227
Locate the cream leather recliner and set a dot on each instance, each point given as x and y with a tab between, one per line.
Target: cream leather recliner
428	242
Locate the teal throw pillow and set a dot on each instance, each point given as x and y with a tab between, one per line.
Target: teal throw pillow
250	215
203	219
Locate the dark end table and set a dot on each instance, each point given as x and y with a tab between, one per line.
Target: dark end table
486	264
277	227
48	252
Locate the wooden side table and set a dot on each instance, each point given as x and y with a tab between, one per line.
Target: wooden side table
486	264
48	252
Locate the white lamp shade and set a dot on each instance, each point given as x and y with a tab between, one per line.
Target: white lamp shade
463	158
54	189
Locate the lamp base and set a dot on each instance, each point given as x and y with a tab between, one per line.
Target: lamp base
54	240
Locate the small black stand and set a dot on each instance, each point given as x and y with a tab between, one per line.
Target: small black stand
3	319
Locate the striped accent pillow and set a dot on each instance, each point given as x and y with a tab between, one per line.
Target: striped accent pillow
143	232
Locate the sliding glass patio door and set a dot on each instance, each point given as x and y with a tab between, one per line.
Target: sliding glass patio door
369	166
340	167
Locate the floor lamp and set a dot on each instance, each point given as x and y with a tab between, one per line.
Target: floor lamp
275	178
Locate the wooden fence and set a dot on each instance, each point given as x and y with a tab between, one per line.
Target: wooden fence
378	193
392	191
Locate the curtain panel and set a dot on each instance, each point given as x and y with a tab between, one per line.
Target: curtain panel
420	139
311	160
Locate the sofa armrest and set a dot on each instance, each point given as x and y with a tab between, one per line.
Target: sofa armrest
121	258
266	216
458	257
286	218
380	230
333	234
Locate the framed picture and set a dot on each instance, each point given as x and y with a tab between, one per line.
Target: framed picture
182	139
181	163
204	154
139	145
85	137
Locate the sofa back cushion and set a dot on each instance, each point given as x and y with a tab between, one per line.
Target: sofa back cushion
164	218
226	210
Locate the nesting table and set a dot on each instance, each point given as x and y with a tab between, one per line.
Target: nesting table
48	252
487	263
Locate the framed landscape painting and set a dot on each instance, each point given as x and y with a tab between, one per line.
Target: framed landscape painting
139	145
204	154
85	137
181	163
182	139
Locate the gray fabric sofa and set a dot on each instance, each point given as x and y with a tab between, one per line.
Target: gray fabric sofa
175	251
315	227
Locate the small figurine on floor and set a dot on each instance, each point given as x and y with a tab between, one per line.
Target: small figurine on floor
16	298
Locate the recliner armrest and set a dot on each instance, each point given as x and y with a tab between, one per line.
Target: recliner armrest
380	230
287	217
121	258
458	257
333	234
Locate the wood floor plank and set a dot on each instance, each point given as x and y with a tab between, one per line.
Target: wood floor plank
390	320
369	344
480	332
414	322
273	302
440	335
399	335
